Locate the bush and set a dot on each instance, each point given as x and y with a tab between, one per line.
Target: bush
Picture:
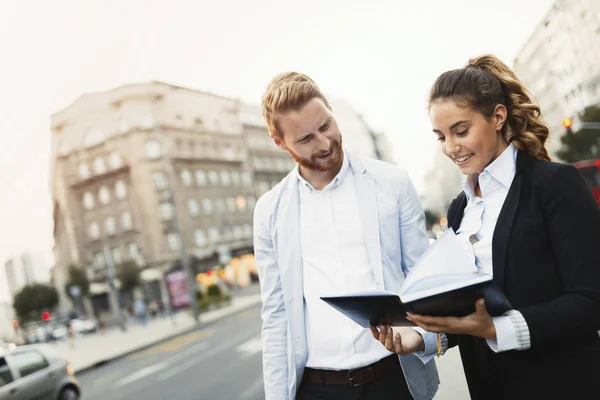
214	291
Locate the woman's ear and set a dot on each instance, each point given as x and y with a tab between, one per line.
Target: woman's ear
499	117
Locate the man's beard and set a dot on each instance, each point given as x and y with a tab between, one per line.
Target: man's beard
315	164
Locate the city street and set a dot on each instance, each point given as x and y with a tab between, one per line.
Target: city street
219	362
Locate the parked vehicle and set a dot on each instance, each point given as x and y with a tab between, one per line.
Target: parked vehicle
36	372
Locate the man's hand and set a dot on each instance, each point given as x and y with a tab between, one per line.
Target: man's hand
407	340
479	324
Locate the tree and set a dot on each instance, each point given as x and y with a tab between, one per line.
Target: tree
585	143
77	277
34	299
128	274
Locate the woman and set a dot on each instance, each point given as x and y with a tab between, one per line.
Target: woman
532	223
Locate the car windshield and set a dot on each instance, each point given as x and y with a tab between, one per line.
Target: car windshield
5	374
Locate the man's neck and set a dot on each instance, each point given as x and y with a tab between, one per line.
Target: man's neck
319	179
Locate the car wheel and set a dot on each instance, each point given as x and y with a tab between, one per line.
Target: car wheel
68	394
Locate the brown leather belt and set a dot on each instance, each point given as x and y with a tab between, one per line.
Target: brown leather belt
353	377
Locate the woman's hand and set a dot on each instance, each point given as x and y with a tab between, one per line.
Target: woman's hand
478	324
407	340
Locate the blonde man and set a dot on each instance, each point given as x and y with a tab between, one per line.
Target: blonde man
337	223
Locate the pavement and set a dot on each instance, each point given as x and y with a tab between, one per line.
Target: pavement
93	350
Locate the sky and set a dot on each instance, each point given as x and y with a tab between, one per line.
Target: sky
380	56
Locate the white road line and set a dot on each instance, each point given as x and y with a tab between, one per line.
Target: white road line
151	369
141	374
251	347
196	360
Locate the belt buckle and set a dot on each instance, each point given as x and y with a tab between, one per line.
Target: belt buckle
352	378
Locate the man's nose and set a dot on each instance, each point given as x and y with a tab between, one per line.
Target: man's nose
324	143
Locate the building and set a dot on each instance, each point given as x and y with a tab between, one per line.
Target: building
560	63
26	269
138	169
442	185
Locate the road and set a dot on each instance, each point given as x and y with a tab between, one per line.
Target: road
219	362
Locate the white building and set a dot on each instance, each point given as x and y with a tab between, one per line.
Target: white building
25	269
560	63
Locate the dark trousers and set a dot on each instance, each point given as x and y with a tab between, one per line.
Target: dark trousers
392	385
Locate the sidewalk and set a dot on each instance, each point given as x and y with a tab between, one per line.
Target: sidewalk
97	348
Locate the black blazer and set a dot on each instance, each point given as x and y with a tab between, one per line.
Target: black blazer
546	259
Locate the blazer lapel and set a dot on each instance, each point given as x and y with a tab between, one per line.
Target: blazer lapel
366	196
505	222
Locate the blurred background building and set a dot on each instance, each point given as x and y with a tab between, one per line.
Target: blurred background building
140	168
560	63
26	268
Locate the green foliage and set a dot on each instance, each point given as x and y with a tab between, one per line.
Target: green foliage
34	299
585	143
128	274
77	277
214	291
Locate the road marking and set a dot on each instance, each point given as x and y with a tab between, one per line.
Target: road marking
250	347
196	360
141	374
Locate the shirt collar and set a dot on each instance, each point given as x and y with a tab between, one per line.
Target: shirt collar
335	181
502	169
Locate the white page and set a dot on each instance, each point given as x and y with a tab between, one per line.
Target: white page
447	260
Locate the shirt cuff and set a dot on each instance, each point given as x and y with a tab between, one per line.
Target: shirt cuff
512	333
430	340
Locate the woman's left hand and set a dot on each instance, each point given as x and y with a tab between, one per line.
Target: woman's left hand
478	324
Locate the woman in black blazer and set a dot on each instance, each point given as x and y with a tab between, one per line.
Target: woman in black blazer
540	237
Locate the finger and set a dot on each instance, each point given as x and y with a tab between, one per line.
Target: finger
383	334
480	307
398	344
389	345
374	332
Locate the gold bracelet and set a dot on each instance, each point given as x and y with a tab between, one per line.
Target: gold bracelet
439	346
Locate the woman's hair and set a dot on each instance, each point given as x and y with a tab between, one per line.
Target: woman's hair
286	92
486	82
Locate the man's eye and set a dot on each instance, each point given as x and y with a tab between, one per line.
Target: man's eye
324	128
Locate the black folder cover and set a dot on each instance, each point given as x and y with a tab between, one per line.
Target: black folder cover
386	308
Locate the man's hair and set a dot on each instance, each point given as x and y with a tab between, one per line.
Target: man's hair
288	91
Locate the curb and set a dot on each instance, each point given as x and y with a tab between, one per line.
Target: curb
192	328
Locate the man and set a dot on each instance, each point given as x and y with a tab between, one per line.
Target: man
336	224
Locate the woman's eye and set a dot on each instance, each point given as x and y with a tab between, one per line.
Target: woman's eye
441	138
463	133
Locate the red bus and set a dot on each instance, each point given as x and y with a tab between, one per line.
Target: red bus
591	173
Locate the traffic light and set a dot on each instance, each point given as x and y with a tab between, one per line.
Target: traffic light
46	316
568	123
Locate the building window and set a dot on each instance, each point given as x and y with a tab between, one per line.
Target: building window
186	177
193	207
116	255
221	208
99	261
173	241
110	226
225	179
132	251
227	233
201	178
207	206
114	160
247	230
166	211
99	166
153	149
126	221
257	163
84	171
231	204
93	137
213	235
246	178
251	202
160	180
104	195
63	147
120	190
94	230
88	200
200	238
237	232
263	187
235	178
213	177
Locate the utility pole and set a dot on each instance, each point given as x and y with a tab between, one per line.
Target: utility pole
112	290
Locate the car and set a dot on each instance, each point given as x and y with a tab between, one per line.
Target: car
36	371
84	326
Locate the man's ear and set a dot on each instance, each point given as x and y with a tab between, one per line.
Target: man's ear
279	143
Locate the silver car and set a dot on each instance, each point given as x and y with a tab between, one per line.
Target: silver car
36	372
